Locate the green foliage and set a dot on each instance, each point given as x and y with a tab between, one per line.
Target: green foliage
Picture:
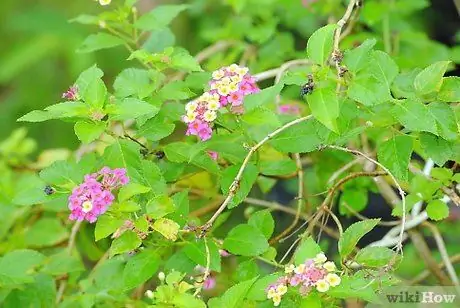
374	87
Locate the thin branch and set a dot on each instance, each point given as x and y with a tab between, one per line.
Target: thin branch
444	255
362	217
275	71
400	190
336	220
236	182
213	49
426	273
345	167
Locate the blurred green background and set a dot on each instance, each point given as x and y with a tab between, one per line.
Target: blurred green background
38	58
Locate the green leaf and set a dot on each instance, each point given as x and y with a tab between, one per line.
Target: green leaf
132	189
450	90
245	240
57	111
384	68
319	45
278	167
99	41
258	292
140	268
307	249
132	108
61	173
182	60
196	251
430	79
234	296
353	234
46	232
106	225
125	154
63	263
357	58
159	17
403	85
445	120
133	82
324	106
414	115
40	292
263	221
354	287
156	129
375	256
442	174
303	137
180	152
395	154
160	206
263	97
15	266
244	186
438	149
181	202
368	90
355	198
89	131
437	210
127	241
246	270
166	227
411	200
175	90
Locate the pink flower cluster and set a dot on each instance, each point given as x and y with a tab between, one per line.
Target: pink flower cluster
289	109
228	87
314	273
93	197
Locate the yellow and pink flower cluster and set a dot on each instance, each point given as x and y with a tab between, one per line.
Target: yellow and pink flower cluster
316	273
228	87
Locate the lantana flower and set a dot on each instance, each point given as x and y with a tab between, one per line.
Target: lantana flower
93	197
316	273
228	87
71	94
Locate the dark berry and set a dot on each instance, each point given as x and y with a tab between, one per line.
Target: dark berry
308	87
160	154
48	190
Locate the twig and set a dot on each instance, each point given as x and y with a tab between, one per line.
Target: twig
345	167
213	49
336	220
426	171
207	269
275	71
426	273
362	217
70	245
444	255
235	184
400	190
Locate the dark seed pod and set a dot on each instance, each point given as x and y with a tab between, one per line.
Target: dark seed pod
48	190
144	152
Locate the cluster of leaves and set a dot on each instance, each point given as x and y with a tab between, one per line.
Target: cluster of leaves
381	102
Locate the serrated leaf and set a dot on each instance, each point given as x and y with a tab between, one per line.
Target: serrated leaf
15	266
353	234
167	227
319	45
156	129
46	232
368	90
263	221
245	240
127	241
182	60
395	154
375	256
159	17
263	97
384	68
301	138
438	149
437	210
99	41
357	58
106	225
175	90
196	251
430	79
132	81
445	120
160	206
324	106
307	249
234	296
132	108
132	189
89	131
244	186
450	90
278	167
140	268
414	115
180	152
